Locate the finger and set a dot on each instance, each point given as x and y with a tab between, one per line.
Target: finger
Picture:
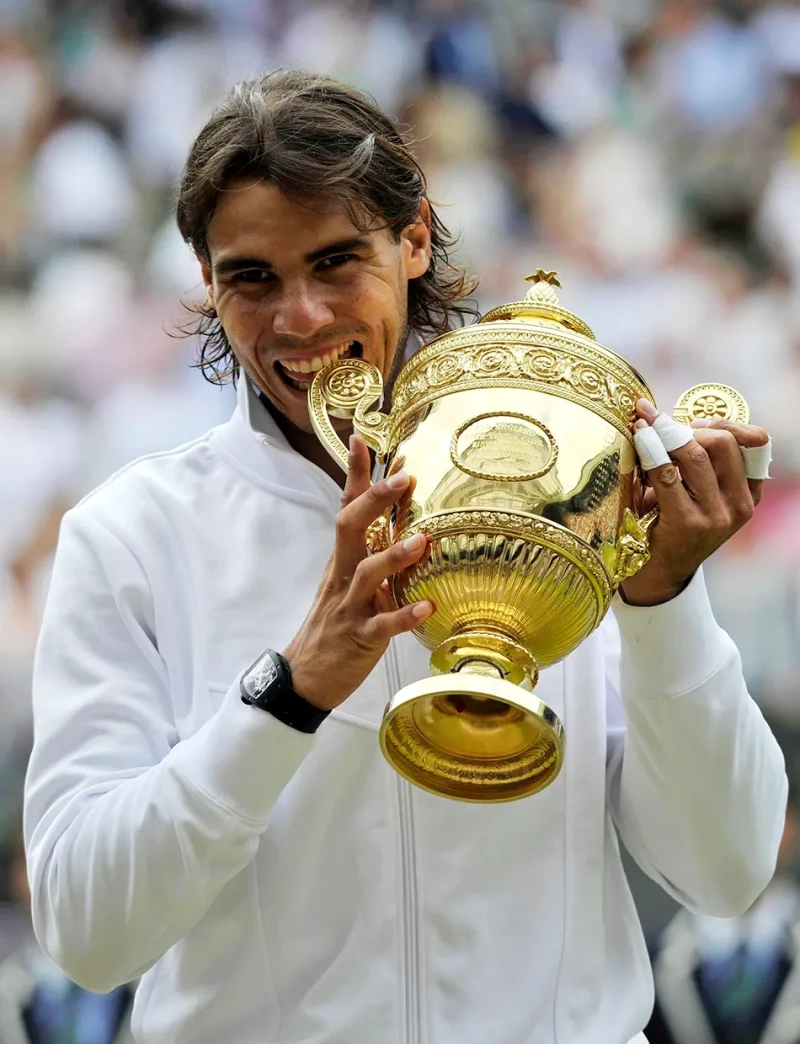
756	450
662	474
745	434
694	463
384	603
379	629
354	518
726	458
698	474
371	572
358	469
646	410
649	500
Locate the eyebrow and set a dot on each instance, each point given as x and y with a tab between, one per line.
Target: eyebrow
341	246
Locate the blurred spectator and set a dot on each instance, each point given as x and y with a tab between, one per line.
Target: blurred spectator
82	190
736	981
25	91
40	1005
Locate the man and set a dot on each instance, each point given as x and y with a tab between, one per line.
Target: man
231	833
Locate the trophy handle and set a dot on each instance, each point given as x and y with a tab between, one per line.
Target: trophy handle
348	389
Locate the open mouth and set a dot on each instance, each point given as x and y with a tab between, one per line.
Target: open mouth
299	373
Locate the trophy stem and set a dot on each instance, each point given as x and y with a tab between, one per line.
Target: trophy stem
487	652
475	732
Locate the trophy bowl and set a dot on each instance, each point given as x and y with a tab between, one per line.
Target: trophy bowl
518	434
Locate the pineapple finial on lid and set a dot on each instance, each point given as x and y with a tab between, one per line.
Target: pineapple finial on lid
543	288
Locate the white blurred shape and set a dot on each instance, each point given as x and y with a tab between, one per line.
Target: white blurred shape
777	218
628	209
475	205
717	76
588	38
151	413
81	188
372	50
571	97
778	28
75	296
171	265
179	81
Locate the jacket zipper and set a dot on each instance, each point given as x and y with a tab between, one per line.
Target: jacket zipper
408	871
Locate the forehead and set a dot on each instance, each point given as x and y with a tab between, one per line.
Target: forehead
256	219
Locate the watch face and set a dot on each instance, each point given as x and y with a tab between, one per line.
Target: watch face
260	676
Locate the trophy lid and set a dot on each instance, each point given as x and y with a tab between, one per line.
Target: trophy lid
541	303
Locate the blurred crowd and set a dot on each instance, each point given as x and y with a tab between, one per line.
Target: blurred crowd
649	151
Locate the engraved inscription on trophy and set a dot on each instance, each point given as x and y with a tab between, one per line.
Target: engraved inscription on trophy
504	447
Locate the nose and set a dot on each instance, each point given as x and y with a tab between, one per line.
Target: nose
301	311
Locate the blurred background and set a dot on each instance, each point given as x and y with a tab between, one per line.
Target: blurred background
648	151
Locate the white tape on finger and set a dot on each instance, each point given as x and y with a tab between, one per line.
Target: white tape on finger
672	434
650	448
757	460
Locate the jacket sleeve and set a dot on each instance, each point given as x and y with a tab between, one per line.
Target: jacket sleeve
696	781
131	833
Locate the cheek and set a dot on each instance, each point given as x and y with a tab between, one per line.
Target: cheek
242	318
381	302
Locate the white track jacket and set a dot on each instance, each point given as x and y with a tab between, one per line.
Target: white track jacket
271	887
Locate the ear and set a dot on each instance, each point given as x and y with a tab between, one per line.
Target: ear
416	243
208	279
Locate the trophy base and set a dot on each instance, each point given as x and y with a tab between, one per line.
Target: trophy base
472	737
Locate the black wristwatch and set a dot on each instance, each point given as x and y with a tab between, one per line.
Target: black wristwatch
268	685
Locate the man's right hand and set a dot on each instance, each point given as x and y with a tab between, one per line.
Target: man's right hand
353	616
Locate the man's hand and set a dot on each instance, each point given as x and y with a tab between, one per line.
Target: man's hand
353	617
704	497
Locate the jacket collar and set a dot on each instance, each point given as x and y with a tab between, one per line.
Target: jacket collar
256	415
260	450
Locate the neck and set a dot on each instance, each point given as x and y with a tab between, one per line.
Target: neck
308	445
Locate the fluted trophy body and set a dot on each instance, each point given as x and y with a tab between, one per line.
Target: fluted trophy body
518	434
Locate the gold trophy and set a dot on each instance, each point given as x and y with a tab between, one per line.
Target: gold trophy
517	431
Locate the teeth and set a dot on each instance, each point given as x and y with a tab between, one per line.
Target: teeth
318	361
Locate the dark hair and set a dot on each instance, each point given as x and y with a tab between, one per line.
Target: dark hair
315	137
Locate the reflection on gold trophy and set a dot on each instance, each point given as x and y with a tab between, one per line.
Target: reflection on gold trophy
518	433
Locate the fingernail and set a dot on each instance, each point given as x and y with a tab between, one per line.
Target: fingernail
640	424
351	444
702	422
398	481
413	542
422	609
647	408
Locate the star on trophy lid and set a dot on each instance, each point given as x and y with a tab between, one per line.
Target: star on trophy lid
540	305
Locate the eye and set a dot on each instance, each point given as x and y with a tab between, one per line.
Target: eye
336	260
254	275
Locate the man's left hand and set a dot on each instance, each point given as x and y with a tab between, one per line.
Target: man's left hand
703	496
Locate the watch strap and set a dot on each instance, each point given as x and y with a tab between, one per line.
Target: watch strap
278	697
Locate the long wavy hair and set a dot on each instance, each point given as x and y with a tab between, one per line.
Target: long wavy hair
315	138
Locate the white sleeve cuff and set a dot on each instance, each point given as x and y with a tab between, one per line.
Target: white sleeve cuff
243	757
672	648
